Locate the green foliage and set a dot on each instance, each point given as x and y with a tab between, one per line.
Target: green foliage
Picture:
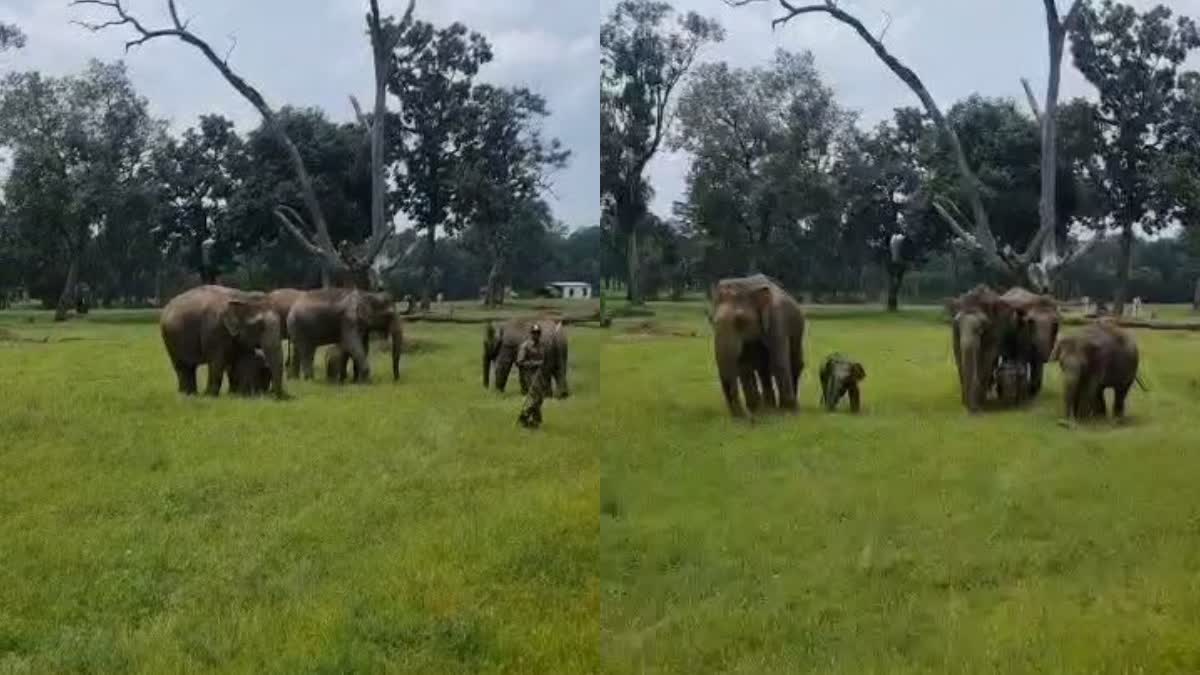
11	37
80	172
643	60
910	539
381	528
199	175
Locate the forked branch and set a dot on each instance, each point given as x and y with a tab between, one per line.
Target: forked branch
323	245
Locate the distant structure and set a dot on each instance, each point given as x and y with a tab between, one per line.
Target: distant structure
570	290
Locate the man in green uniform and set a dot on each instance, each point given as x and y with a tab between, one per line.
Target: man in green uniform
531	360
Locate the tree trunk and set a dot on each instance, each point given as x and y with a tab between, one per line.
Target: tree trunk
895	277
427	286
495	293
1196	297
67	298
633	262
1124	270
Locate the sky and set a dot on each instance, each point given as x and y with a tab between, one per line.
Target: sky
315	53
956	47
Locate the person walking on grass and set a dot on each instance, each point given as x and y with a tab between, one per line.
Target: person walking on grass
531	363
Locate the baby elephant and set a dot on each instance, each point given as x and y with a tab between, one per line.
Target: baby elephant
1098	357
840	376
1012	382
250	375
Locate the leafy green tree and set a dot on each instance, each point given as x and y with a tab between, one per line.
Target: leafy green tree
643	60
78	144
505	163
199	175
433	77
1135	61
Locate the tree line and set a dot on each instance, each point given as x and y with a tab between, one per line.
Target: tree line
786	181
101	197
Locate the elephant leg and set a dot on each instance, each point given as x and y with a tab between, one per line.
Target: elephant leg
1099	407
560	378
781	371
1087	403
855	400
305	354
216	374
732	399
352	343
186	375
1119	394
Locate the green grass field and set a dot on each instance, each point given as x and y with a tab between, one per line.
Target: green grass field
408	527
910	539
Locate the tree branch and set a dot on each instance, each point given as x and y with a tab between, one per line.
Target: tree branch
1033	104
180	31
295	224
969	182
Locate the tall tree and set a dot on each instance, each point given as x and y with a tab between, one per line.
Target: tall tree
754	136
643	60
434	78
504	167
78	144
199	174
1135	62
347	264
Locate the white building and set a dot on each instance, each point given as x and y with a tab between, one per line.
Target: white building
571	290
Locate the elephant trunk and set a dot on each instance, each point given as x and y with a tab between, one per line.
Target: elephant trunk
728	350
1070	386
273	351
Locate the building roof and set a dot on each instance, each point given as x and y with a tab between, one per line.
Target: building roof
568	283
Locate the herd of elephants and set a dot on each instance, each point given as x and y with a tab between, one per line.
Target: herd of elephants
1001	344
239	335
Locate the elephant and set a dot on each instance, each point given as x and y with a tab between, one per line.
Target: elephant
343	317
500	345
281	300
212	325
1012	382
755	314
980	326
250	375
840	376
1098	357
1040	320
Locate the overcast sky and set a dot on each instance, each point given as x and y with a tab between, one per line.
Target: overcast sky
315	52
957	47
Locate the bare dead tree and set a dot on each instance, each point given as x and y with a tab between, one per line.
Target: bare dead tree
1041	258
383	41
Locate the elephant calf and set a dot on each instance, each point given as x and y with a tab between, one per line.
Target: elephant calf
1012	382
1098	357
840	377
250	375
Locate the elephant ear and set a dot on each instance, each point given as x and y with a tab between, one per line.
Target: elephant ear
858	372
235	316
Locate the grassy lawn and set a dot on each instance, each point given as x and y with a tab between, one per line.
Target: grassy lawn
408	527
910	539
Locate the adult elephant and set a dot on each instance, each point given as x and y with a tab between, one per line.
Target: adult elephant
500	345
982	322
1039	320
215	325
281	300
757	328
342	317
